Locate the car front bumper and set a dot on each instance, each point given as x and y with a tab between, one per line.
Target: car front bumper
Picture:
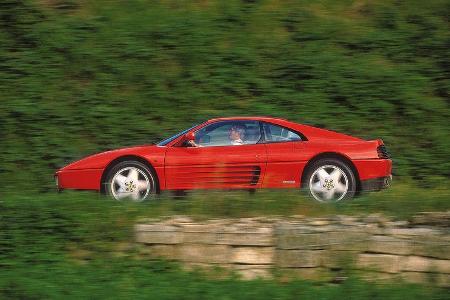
376	184
84	179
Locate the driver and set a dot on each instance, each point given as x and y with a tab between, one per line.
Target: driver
237	134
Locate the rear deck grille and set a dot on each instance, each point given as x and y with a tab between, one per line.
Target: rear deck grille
382	152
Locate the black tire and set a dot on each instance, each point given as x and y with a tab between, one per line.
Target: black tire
144	174
312	185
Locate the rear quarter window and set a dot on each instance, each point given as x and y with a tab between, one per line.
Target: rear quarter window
276	133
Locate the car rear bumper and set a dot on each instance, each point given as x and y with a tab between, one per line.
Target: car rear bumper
373	168
376	184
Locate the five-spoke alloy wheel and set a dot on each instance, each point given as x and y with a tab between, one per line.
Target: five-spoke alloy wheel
130	180
330	180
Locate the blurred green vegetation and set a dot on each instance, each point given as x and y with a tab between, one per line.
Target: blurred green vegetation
79	245
126	278
78	77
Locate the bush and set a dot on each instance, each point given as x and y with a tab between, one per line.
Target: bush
82	77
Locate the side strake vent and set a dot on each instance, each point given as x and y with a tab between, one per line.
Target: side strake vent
231	175
382	152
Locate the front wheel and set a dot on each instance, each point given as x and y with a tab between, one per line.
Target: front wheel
330	180
130	180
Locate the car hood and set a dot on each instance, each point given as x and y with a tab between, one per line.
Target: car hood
101	160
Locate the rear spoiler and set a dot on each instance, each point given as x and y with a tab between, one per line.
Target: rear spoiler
379	142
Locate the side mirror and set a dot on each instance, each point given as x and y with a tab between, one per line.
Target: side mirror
190	136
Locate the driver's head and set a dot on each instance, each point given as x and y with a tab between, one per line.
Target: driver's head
237	132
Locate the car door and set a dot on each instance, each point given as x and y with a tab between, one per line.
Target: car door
217	163
285	158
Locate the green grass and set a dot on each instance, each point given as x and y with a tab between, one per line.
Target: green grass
94	221
401	201
71	245
125	278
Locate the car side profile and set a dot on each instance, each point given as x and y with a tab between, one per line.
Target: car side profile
237	153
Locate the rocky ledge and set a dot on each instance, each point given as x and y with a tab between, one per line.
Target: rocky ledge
375	247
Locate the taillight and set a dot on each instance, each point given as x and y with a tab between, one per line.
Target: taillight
382	152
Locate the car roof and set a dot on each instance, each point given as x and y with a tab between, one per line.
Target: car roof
255	118
306	131
309	132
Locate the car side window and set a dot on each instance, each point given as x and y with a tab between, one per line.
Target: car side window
275	133
229	133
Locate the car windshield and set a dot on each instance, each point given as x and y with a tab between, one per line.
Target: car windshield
168	140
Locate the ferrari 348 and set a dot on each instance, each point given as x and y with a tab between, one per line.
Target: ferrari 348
237	153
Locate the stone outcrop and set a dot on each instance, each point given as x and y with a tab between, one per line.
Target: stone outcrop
318	248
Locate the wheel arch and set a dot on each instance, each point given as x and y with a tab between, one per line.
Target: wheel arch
125	158
334	155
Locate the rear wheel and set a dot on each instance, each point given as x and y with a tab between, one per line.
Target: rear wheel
130	180
330	180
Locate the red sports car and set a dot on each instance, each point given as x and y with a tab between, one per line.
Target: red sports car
237	153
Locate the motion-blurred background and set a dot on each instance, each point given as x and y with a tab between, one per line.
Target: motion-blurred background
80	77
